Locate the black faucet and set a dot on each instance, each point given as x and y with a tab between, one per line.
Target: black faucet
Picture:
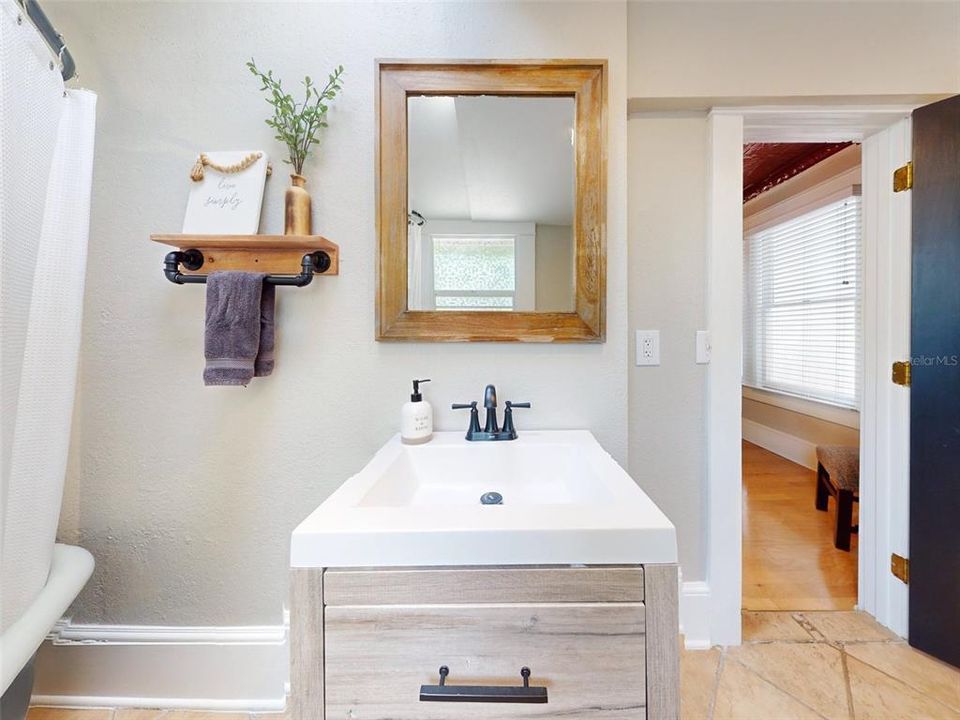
490	403
491	429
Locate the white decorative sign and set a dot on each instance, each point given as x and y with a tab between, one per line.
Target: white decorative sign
227	198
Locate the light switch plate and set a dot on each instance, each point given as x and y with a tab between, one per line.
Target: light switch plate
648	347
703	347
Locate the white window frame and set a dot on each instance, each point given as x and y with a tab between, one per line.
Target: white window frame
524	236
786	202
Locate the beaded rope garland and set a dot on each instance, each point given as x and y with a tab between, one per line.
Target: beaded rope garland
196	174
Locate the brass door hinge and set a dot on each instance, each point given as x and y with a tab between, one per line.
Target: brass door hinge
900	567
903	178
902	373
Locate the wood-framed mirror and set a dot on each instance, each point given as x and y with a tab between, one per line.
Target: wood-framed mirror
491	200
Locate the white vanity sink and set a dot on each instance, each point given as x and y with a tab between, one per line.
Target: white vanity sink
565	501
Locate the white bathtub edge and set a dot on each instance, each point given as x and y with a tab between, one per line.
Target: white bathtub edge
70	568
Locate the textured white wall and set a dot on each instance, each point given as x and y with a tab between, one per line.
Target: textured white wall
707	49
667	270
185	494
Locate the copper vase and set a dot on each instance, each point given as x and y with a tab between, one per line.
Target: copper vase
297	201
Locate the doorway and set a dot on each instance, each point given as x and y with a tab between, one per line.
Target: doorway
802	374
884	132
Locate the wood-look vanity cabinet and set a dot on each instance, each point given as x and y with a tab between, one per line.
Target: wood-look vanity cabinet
603	641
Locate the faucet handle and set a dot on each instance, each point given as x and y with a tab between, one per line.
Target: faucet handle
474	417
508	426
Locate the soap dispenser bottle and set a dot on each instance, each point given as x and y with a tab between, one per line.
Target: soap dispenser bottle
416	418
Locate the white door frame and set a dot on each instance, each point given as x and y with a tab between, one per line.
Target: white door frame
886	238
885	418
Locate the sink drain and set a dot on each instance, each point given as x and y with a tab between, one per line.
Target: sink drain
491	498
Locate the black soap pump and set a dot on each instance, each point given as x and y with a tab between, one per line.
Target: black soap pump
416	418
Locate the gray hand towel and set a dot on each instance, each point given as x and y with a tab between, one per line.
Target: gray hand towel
268	302
233	319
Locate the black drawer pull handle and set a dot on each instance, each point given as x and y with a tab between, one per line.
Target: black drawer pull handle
483	693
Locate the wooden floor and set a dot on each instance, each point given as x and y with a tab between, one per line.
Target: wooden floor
791	666
789	561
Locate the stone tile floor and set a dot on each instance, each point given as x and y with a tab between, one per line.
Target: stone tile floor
817	666
791	666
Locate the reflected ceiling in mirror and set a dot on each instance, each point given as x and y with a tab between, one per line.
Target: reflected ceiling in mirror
491	194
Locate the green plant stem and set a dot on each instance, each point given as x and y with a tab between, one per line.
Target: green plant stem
297	124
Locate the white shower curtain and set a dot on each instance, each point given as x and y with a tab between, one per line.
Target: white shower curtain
46	162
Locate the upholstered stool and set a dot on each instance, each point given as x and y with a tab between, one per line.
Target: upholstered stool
838	474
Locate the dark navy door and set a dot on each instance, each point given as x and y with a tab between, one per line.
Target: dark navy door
935	387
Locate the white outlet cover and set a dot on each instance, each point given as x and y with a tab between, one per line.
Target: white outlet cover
648	347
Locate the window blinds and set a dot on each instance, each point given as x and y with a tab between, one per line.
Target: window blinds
802	291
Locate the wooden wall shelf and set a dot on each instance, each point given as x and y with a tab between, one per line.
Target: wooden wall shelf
274	254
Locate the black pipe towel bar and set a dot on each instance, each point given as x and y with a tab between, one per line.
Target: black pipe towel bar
314	262
483	693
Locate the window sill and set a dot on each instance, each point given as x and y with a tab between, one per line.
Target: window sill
812	408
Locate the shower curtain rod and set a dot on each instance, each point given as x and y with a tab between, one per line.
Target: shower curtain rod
68	67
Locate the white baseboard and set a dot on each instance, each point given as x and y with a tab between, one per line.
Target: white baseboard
803	452
695	615
204	668
241	669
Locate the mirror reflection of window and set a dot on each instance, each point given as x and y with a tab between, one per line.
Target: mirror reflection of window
491	199
474	273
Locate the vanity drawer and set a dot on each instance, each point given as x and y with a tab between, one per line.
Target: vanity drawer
476	585
589	656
